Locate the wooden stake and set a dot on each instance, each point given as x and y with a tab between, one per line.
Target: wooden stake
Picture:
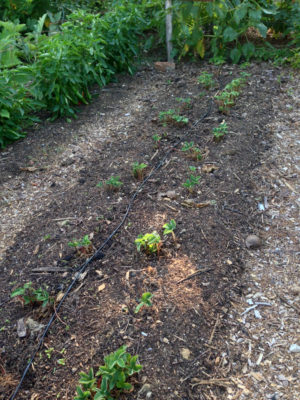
169	29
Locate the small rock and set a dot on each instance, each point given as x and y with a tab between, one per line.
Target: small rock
166	340
164	66
295	290
144	389
185	353
253	242
171	194
34	326
21	328
294	348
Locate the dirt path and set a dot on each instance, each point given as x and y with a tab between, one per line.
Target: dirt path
49	196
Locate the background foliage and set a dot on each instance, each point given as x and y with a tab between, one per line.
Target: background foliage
52	52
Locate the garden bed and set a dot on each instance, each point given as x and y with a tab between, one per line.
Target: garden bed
50	196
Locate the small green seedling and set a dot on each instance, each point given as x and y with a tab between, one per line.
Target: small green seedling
193	151
112	183
170	117
156	139
83	246
85	241
150	243
192	181
169	228
206	80
138	170
113	376
49	352
145	300
28	295
61	361
225	100
184	103
220	131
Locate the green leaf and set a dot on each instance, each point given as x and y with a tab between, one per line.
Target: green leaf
255	15
235	55
229	34
240	13
248	50
4	114
262	29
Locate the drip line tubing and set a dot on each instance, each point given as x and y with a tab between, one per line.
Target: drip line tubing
99	252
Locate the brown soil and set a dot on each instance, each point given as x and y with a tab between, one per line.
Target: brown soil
50	196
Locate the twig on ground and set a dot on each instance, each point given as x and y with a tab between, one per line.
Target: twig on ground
194	274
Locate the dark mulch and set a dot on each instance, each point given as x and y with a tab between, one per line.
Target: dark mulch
212	224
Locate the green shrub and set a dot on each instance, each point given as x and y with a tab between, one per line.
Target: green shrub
16	104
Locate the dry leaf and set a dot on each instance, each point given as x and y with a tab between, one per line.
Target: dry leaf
29	169
36	250
101	287
209	168
59	296
185	353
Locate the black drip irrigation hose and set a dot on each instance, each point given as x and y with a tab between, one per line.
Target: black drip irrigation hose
99	252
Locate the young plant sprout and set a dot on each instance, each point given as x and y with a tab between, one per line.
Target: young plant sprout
192	151
28	295
144	301
170	117
150	243
156	139
112	183
111	378
83	246
138	170
220	131
184	103
206	80
169	228
192	181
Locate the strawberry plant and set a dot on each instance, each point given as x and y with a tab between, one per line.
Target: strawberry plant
220	131
112	183
138	170
144	301
169	228
111	379
192	151
150	243
192	181
170	117
28	295
83	246
206	80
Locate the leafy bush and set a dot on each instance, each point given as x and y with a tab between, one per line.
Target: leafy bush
16	104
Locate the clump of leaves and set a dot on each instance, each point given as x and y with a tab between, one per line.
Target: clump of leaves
192	151
113	377
169	228
185	103
145	300
156	139
150	243
113	184
225	100
83	246
220	131
138	170
206	80
28	295
170	117
192	181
